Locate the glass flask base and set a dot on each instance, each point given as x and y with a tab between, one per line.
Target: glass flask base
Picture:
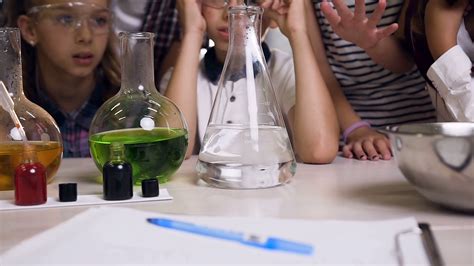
13	154
238	176
156	153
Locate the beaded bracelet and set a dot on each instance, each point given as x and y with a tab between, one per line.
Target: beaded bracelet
354	126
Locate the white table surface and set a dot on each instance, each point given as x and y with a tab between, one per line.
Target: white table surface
344	190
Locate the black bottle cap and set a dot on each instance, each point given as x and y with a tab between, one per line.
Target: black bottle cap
67	192
150	188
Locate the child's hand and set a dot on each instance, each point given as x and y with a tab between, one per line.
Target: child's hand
289	15
367	144
190	16
278	6
357	27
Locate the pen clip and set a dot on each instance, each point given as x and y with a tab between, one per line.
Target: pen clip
428	241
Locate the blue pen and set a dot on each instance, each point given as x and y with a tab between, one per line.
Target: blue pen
270	243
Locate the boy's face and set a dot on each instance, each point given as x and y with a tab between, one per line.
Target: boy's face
216	16
71	37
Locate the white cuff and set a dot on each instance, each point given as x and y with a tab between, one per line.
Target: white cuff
451	70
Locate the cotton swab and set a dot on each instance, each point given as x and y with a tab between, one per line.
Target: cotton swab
7	104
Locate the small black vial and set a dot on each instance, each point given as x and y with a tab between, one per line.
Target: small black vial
67	192
150	188
117	174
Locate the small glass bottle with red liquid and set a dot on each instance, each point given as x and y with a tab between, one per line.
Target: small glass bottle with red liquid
30	183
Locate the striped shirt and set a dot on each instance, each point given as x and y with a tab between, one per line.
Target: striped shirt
377	95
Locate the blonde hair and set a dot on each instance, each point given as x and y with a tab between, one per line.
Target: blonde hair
109	65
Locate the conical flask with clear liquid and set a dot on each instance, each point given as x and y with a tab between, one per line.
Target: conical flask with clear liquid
28	134
246	144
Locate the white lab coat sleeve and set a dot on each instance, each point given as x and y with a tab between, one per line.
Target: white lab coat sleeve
451	76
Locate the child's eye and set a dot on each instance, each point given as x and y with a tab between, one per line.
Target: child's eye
65	20
100	21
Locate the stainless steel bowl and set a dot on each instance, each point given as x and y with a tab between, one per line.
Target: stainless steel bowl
437	158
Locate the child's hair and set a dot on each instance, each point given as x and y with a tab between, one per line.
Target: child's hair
109	65
415	33
452	2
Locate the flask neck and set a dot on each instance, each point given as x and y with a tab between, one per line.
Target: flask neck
10	62
245	29
117	152
137	63
29	155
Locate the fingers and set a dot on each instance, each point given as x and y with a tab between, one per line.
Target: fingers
330	14
342	9
269	3
370	150
359	11
265	3
280	6
365	150
276	4
282	10
387	31
190	17
359	151
347	151
377	14
276	16
383	147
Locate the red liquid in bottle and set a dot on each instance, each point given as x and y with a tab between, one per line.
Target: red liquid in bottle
30	184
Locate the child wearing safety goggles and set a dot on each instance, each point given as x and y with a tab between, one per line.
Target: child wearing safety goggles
69	62
302	94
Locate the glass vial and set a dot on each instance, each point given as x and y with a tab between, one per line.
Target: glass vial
117	174
30	182
246	144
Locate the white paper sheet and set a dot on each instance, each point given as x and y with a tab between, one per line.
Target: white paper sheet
82	200
112	236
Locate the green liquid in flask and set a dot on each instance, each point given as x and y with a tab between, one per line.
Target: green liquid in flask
156	153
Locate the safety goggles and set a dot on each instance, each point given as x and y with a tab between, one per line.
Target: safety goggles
71	16
220	4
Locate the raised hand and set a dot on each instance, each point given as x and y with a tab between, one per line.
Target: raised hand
367	144
190	16
357	27
288	14
279	6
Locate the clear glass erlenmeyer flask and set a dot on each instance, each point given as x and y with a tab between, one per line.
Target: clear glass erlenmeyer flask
44	143
246	144
150	127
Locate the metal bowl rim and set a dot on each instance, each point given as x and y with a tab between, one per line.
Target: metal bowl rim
394	129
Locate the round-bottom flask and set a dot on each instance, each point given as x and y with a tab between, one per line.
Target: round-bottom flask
43	138
150	127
